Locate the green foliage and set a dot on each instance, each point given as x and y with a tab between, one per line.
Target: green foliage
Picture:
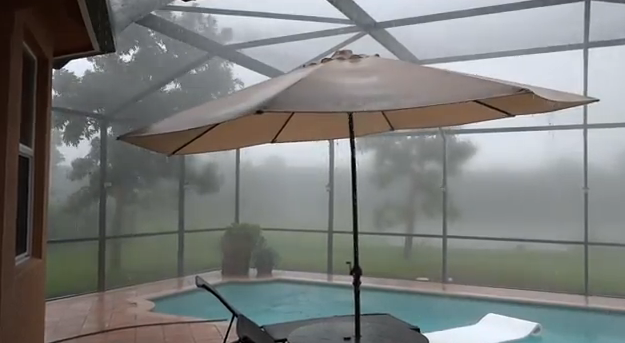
142	57
264	258
57	170
62	222
241	233
238	243
56	157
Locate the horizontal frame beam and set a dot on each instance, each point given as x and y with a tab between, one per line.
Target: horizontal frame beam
295	37
132	235
72	240
360	17
370	24
256	14
447	16
522	52
201	42
466	13
346	232
472	12
461	131
91	115
466	237
160	83
440	17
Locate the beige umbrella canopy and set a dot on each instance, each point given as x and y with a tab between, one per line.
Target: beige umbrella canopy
346	96
313	102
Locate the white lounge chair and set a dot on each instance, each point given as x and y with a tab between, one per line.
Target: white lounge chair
492	328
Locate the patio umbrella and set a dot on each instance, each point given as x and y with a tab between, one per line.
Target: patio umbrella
346	96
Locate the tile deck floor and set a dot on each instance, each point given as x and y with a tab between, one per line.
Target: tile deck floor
114	310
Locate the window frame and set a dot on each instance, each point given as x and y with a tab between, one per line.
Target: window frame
28	152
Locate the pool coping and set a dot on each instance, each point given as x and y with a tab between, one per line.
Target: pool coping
145	303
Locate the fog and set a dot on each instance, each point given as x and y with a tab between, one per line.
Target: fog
518	185
542	199
540	202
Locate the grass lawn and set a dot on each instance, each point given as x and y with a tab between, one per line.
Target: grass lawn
72	267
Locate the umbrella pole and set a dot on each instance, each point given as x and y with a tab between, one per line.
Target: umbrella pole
355	271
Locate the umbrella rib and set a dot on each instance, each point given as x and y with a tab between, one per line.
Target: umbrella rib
282	128
388	121
508	114
194	139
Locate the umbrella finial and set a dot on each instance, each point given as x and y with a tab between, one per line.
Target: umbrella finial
341	55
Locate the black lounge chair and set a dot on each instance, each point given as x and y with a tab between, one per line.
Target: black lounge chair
248	331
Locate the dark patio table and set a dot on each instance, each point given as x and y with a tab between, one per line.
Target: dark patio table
376	328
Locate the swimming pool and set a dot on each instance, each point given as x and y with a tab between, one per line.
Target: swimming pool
278	301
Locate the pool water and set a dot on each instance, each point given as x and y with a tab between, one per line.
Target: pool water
278	301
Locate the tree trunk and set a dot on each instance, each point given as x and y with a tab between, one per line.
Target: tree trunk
117	228
410	221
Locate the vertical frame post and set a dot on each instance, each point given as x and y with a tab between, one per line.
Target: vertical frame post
237	196
587	5
102	205
444	272
181	214
330	188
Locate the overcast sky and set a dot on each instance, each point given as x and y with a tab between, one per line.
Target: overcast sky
563	71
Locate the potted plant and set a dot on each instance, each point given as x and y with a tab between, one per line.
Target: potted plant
265	259
237	245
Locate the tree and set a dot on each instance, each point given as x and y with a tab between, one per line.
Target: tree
57	169
57	220
56	156
413	166
132	173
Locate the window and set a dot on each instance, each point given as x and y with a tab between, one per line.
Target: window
23	235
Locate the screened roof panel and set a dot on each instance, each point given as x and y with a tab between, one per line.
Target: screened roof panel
246	76
538	27
288	56
396	9
607	21
320	8
138	114
115	12
195	84
135	45
125	12
183	51
240	29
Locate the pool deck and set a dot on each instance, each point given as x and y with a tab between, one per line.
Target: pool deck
114	310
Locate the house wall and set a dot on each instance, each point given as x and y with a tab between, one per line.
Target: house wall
22	302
